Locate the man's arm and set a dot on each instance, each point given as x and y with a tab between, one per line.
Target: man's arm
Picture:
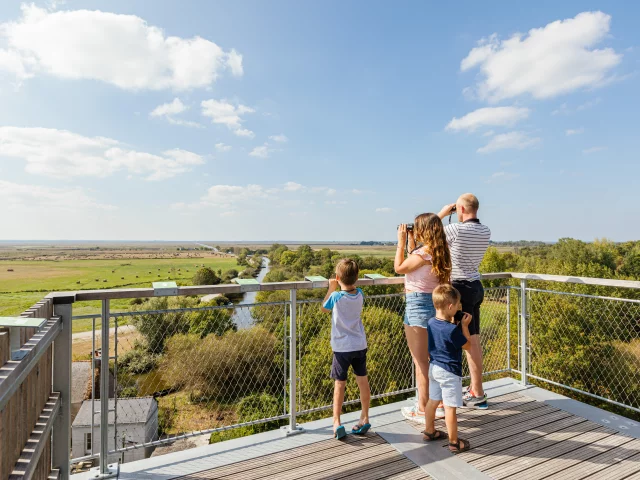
446	211
333	284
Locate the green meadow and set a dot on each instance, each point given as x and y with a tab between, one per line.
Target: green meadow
31	280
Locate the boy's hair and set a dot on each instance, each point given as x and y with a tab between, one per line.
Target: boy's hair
444	295
348	271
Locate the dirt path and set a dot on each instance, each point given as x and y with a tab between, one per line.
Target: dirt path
86	336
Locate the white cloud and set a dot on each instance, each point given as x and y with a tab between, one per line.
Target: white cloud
260	152
168	110
593	150
279	138
384	210
173	108
234	62
564	109
64	154
293	187
574	131
221	147
296	187
355	191
122	50
556	59
43	199
511	140
229	197
244	132
335	202
501	176
225	113
488	117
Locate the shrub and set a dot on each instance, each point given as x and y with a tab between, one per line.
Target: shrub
205	276
137	360
224	368
253	407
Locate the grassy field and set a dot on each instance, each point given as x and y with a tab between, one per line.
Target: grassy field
30	280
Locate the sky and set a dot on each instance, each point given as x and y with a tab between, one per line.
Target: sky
316	121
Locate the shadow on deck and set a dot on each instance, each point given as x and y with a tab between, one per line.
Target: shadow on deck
526	434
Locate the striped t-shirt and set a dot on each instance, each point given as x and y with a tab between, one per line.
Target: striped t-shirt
468	241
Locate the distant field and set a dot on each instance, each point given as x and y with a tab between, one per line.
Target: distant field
31	280
364	251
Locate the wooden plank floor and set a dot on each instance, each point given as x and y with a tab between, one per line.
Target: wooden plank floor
521	438
362	458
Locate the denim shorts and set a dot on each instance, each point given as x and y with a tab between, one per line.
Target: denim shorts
419	309
445	386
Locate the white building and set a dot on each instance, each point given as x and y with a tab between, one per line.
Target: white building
137	423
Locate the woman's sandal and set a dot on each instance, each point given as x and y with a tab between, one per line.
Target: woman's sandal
460	446
436	435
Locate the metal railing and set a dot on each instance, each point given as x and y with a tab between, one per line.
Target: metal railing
179	371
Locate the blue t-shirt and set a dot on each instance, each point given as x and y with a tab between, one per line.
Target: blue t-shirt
445	345
347	331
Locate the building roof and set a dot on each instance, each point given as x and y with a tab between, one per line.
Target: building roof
80	376
130	410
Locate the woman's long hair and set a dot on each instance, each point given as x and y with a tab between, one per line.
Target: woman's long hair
428	230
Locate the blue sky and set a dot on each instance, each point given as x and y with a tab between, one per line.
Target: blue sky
316	120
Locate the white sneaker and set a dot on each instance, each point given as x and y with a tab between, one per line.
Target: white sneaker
412	413
440	411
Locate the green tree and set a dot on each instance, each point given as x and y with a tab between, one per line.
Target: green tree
205	276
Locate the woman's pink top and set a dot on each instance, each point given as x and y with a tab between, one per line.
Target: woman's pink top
422	279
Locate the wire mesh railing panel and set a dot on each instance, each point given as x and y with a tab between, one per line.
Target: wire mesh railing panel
587	343
493	331
388	358
181	372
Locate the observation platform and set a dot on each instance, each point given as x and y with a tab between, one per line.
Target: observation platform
527	433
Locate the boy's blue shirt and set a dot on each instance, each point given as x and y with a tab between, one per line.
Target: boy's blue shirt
347	331
445	345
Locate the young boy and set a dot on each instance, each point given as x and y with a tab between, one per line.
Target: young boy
447	339
348	343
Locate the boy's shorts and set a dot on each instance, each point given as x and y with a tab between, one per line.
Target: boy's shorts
445	386
342	360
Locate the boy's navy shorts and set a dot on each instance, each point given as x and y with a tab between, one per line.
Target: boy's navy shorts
342	360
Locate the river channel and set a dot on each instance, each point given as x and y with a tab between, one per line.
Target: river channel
242	316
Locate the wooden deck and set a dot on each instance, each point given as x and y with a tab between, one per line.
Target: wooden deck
527	433
355	458
521	438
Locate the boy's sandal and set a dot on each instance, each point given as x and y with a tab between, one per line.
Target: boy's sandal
460	446
436	435
360	429
340	432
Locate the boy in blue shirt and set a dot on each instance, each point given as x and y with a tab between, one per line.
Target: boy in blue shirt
447	339
348	342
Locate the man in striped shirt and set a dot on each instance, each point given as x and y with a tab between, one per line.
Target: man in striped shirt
468	241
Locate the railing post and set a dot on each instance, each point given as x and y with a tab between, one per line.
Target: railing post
524	345
105	470
61	438
509	328
293	427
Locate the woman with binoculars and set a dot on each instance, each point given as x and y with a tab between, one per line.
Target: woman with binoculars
425	267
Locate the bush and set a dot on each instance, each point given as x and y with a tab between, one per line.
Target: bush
137	360
224	368
253	407
156	328
205	276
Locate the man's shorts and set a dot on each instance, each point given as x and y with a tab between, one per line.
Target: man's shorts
471	297
445	386
342	361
